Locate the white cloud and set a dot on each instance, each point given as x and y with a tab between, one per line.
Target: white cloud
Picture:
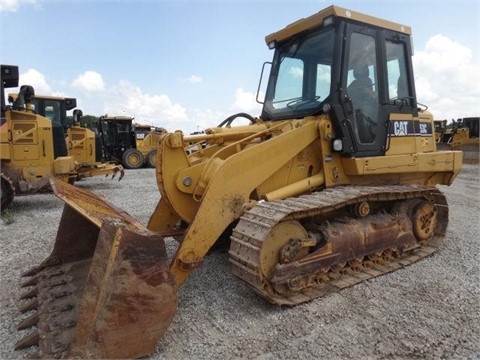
90	81
157	110
126	98
194	79
9	5
37	80
14	5
296	72
245	101
447	79
201	119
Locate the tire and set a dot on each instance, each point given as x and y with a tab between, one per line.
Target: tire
152	158
7	192
133	159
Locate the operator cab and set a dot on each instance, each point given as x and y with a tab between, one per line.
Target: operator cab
116	134
354	67
51	107
55	108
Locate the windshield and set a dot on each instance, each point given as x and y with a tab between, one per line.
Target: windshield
301	75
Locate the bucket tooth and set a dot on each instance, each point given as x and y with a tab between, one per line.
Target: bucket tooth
52	260
29	322
30	282
34	356
31	305
51	283
61	308
29	340
30	294
30	272
61	294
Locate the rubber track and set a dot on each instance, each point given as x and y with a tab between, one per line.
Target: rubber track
255	225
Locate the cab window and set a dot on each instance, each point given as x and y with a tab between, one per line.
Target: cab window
397	72
361	86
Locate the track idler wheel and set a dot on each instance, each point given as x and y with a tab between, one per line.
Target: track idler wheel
424	220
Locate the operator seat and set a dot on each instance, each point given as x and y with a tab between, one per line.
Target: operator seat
362	86
365	104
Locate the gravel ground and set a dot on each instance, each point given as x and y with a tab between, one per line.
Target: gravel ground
429	310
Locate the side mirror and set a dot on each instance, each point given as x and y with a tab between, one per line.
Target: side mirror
77	114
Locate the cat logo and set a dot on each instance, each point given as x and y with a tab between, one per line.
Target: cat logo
400	128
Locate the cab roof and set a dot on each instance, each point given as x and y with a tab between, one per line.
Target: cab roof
43	97
317	19
70	103
116	118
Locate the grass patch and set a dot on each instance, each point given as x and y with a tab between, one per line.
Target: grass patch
7	217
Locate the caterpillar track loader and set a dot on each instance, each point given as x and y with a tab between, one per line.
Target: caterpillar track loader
333	184
32	142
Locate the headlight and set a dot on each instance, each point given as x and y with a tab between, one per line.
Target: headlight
337	145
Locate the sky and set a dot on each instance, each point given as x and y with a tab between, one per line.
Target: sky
187	65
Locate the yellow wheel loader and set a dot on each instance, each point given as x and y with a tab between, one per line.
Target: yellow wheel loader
333	184
147	138
32	142
82	143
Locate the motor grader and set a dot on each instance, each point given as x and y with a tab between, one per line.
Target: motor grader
333	184
33	145
117	137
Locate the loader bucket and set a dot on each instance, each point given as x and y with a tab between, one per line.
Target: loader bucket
471	152
105	291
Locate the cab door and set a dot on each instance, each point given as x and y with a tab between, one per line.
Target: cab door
376	81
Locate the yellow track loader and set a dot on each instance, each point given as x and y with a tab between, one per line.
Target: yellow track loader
333	184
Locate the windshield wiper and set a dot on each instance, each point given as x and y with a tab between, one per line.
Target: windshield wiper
300	101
